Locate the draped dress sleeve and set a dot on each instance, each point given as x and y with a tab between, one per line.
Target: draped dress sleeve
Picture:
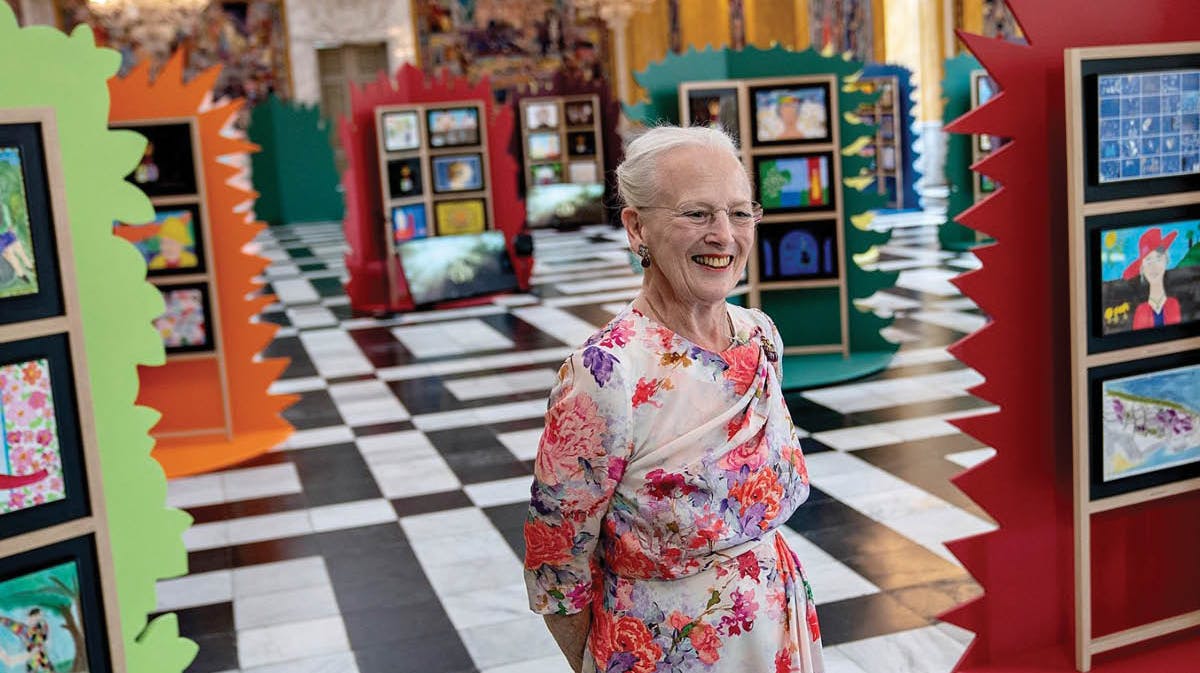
584	450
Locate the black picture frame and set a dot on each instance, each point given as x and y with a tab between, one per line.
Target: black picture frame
1096	226
761	175
47	300
725	100
396	178
197	231
1091	70
756	110
579	113
581	144
439	167
206	304
80	551
442	138
56	350
170	151
414	118
1097	377
798	250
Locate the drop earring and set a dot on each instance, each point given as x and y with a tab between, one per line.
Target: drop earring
644	253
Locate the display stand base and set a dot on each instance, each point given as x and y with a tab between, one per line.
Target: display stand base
801	372
1162	656
183	457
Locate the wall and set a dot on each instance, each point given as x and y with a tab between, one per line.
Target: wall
314	24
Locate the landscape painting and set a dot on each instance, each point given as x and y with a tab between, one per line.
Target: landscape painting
1151	422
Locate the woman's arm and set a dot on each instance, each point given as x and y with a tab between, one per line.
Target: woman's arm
571	632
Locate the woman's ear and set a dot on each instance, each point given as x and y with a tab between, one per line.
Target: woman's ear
633	227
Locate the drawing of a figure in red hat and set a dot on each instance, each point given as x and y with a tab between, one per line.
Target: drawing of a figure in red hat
1151	265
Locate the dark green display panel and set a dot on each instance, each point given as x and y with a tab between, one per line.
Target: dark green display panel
956	88
661	83
817	318
295	173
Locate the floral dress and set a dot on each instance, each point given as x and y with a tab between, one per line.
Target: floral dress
663	471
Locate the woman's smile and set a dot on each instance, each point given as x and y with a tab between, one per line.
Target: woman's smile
715	262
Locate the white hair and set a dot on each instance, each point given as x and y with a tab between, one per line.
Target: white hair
637	176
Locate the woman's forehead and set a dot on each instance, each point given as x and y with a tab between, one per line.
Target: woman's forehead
700	171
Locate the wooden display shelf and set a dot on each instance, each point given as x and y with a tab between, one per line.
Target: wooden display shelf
564	130
748	152
886	105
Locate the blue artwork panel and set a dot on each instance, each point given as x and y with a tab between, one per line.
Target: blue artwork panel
1148	125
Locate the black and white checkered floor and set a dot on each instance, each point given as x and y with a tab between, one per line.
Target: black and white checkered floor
385	536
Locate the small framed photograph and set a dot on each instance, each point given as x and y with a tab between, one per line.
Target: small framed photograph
546	174
581	143
401	131
30	287
789	115
715	109
798	251
462	216
1144	419
542	115
887	157
186	325
583	173
404	178
453	127
167	166
580	113
986	184
545	147
796	183
409	222
172	244
42	476
52	609
457	173
1144	277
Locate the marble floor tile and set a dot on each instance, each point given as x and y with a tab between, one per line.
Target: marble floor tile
260	482
308	317
307	439
501	604
599	285
519	640
295	291
195	491
296	385
285	607
556	322
959	322
334	353
341	662
481	387
291	642
499	413
501	492
971	458
195	590
924	650
268	578
367	403
555	663
457	337
351	515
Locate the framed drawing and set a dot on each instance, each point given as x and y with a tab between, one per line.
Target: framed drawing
453	127
457	173
401	131
186	325
30	287
548	174
52	611
42	480
581	143
542	115
1145	423
1141	126
798	251
409	222
545	147
167	167
714	108
795	183
791	114
1143	272
464	216
172	244
404	178
583	173
579	113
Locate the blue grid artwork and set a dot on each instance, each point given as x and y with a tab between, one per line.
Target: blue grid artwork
1149	125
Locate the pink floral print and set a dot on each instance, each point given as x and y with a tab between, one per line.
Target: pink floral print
31	466
662	476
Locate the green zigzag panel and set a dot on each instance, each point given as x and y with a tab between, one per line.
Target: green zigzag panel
118	307
956	92
661	83
295	173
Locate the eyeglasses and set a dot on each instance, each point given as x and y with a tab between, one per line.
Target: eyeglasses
703	215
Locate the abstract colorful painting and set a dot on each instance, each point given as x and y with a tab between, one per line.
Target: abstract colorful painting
1149	124
409	222
467	216
42	626
1151	422
18	275
401	131
31	461
795	183
793	114
185	326
169	244
798	251
1149	276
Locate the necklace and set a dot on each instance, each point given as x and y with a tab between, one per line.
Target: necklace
733	339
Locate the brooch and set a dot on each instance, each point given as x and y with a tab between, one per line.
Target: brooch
768	348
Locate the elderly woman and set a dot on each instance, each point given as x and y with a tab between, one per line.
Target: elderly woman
669	458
